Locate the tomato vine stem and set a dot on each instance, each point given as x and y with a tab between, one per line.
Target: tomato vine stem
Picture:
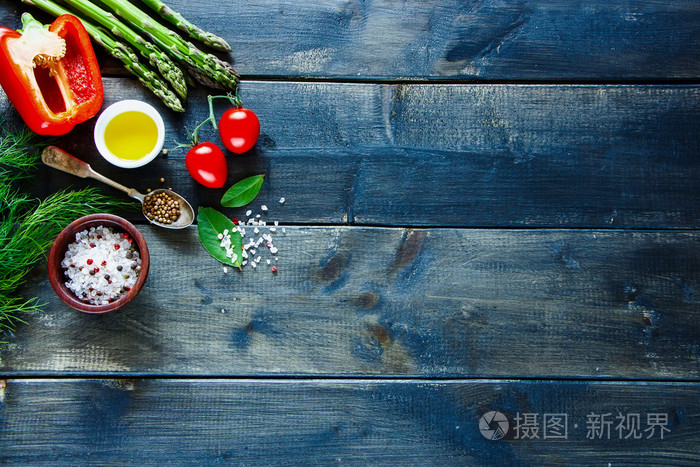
235	102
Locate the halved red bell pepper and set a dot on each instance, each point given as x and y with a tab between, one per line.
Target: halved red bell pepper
50	74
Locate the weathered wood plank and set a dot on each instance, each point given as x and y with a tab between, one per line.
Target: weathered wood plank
449	40
448	155
149	422
371	301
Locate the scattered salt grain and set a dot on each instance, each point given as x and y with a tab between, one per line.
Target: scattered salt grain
253	253
225	270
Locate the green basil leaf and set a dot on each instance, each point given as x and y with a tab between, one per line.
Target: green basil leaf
211	223
242	192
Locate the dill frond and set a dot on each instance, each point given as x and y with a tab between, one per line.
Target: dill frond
19	152
28	226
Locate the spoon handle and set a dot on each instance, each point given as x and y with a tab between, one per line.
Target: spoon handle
61	160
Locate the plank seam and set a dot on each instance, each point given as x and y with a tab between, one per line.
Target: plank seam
330	378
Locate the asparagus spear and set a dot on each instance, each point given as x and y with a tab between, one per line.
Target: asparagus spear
206	68
156	57
120	51
195	32
147	77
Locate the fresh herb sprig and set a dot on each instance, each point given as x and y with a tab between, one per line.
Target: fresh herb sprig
28	226
19	153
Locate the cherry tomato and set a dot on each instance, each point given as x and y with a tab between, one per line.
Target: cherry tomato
207	165
239	130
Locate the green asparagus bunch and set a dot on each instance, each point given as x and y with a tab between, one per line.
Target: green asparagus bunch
136	33
205	67
124	53
176	19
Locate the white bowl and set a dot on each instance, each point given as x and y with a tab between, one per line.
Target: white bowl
116	109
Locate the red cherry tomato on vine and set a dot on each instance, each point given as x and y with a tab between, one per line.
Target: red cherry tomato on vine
207	165
239	130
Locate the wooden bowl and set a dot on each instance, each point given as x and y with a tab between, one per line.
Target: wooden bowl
57	275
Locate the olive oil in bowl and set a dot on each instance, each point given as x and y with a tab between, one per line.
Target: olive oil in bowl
129	133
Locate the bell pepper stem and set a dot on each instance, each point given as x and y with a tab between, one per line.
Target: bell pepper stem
29	22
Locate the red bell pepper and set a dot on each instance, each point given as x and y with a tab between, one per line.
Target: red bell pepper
50	74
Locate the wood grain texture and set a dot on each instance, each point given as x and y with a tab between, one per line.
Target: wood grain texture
448	40
151	422
445	155
349	138
369	301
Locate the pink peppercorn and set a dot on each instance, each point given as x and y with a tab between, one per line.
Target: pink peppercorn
89	261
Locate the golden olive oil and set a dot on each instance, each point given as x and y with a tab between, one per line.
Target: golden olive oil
131	135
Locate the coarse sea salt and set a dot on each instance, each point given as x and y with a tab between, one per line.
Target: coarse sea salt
101	265
252	249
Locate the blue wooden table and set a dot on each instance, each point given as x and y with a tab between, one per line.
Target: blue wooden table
490	256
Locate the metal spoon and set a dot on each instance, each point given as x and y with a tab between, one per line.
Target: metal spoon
61	160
